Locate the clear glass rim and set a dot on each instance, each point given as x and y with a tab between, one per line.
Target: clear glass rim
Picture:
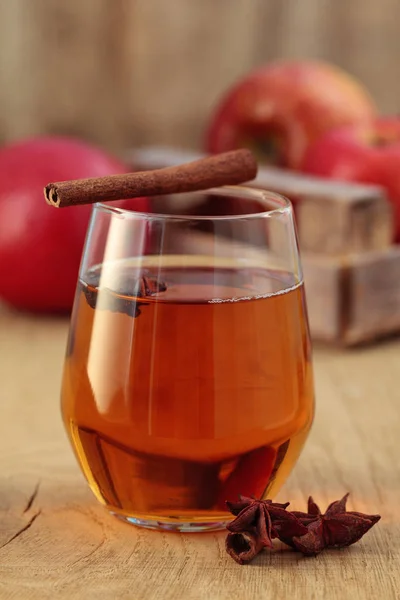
282	206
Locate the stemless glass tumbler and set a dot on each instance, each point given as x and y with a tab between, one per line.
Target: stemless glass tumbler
188	376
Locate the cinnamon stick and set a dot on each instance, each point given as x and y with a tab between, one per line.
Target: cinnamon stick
228	168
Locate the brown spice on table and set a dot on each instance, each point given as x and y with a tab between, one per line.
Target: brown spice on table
337	528
264	520
258	522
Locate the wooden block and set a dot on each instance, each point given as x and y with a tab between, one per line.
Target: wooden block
333	218
355	299
344	224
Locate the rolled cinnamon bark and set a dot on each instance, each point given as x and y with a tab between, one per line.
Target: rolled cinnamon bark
228	168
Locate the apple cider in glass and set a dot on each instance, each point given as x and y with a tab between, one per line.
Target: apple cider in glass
188	376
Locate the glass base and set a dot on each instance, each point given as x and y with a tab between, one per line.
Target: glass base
177	527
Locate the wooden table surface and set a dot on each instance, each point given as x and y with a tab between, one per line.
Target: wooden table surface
56	541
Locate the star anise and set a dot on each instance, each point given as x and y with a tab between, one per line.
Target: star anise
243	546
257	523
337	528
122	300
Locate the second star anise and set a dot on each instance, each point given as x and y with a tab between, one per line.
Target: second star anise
337	528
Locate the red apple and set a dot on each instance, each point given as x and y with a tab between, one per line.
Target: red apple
40	246
279	109
365	154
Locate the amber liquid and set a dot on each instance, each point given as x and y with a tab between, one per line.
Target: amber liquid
186	388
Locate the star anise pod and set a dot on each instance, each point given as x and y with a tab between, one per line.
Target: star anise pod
243	546
337	528
257	523
122	300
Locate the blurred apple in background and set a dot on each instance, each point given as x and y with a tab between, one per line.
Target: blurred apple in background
40	247
279	109
367	154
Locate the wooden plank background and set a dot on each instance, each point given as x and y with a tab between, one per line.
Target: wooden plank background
123	72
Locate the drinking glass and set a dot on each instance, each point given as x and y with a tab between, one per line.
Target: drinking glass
188	376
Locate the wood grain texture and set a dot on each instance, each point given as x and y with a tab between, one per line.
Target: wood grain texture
131	72
57	542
